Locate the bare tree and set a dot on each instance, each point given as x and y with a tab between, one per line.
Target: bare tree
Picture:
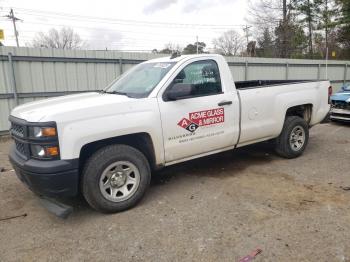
170	48
66	38
230	43
272	15
265	14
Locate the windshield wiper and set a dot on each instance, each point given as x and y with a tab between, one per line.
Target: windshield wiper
115	92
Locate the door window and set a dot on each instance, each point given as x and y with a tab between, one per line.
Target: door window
203	76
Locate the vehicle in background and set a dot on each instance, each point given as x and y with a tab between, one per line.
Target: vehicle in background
340	105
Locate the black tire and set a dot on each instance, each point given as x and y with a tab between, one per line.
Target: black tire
283	146
95	167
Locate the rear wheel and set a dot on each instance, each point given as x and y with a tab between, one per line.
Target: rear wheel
293	139
115	178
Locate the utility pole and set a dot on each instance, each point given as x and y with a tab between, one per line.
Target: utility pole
246	31
284	10
327	22
14	20
309	18
197	44
284	29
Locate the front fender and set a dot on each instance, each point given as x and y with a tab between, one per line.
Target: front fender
74	135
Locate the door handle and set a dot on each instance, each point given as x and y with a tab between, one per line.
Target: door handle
224	103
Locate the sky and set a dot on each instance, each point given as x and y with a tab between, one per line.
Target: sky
127	24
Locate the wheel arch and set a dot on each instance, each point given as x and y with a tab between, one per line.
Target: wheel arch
141	141
304	111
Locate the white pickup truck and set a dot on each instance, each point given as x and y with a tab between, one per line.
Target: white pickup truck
161	112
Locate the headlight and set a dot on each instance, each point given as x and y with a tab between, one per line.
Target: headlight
44	152
39	132
43	141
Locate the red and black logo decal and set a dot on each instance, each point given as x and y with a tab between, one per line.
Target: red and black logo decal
188	125
202	118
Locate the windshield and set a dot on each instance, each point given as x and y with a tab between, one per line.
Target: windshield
346	88
140	80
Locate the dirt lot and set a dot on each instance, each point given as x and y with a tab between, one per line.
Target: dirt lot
217	208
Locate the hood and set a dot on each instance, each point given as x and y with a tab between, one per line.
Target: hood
341	96
73	105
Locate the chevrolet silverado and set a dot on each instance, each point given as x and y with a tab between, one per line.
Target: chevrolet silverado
161	112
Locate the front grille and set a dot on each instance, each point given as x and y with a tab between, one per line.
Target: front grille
340	105
17	130
347	116
20	147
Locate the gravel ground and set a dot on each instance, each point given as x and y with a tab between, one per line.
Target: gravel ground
217	208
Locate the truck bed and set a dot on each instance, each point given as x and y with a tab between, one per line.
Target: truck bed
262	83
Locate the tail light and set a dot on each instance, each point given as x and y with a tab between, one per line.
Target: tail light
330	91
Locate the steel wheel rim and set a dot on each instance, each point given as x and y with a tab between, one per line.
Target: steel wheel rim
119	181
297	138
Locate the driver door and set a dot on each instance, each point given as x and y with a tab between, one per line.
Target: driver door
202	121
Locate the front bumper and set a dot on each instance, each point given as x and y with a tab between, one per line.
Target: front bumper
340	114
53	178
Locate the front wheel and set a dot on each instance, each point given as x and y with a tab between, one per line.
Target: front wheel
293	139
115	178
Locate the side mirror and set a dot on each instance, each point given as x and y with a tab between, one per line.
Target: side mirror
179	90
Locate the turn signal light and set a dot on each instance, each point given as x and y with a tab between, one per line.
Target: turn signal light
52	151
48	131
